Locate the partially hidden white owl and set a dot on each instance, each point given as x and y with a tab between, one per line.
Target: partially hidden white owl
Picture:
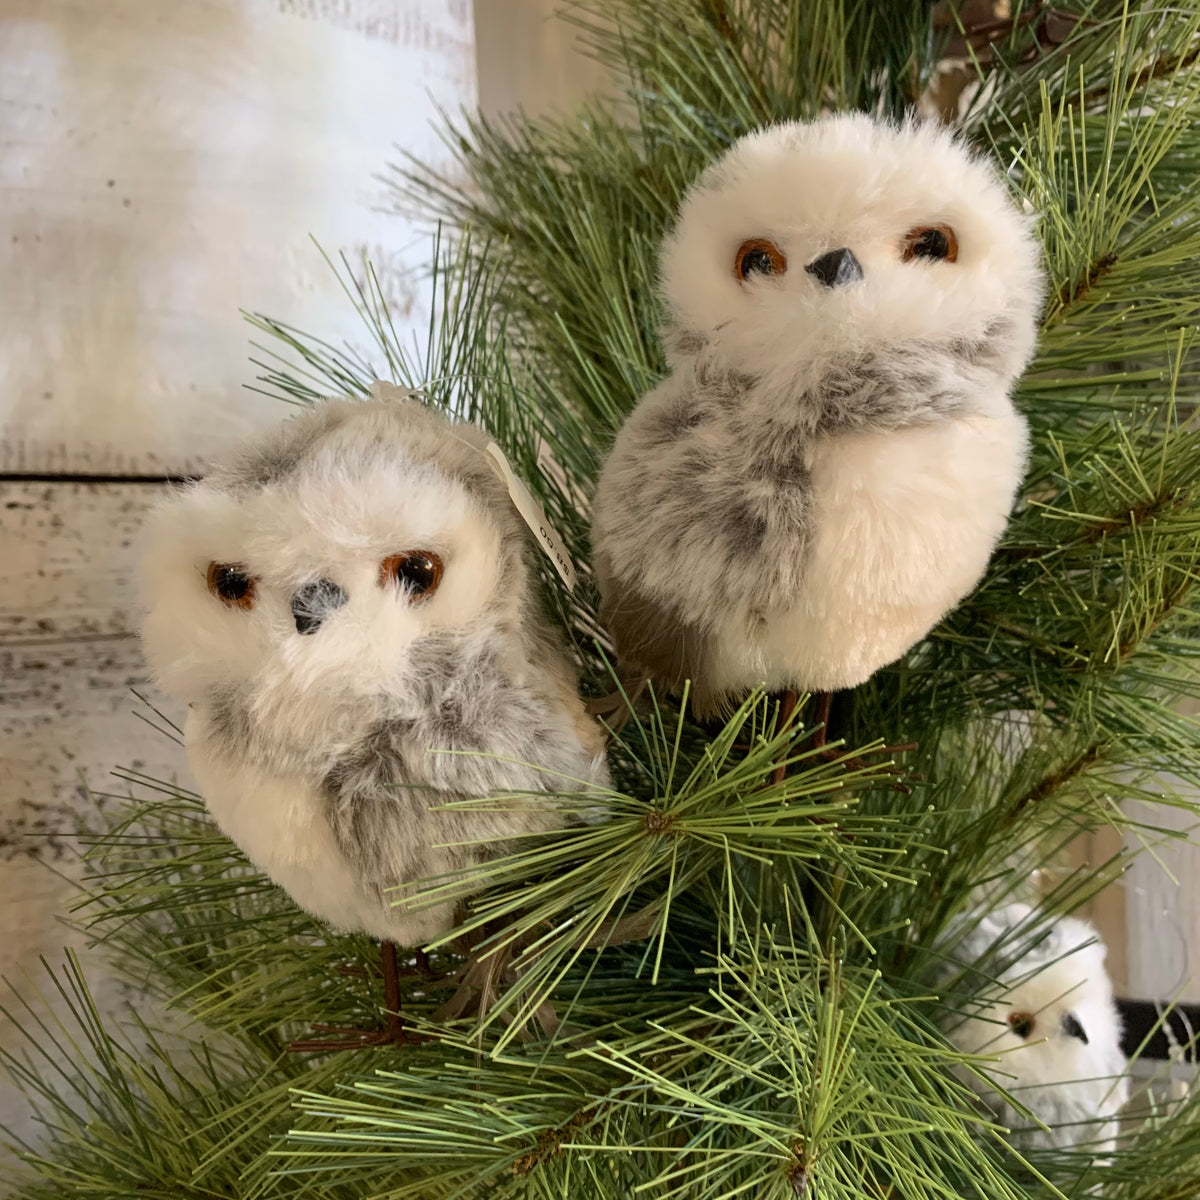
1045	1008
826	469
347	609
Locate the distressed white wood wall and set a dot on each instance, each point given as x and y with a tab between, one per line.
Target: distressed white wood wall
161	166
164	164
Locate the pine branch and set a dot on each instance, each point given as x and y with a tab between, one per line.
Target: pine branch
1050	784
1095	273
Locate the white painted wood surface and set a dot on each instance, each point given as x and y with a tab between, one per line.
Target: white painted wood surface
1162	909
162	165
69	656
69	661
528	59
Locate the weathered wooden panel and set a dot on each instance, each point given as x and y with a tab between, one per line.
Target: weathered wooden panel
69	661
69	656
68	559
32	902
1162	928
68	716
162	165
529	59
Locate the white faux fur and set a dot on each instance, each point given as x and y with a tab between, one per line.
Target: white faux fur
903	526
1076	1088
323	754
826	470
849	180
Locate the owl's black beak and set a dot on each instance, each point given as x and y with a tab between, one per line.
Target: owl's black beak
836	267
314	602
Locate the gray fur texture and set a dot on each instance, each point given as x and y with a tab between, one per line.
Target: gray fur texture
475	733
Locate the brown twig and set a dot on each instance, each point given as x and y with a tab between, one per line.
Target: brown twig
1147	75
1130	646
1096	272
717	11
800	1172
1050	27
1049	784
1139	514
550	1142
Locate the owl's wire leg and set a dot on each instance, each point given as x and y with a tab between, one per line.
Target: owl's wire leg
824	704
391	992
393	1033
819	740
422	968
787	709
482	978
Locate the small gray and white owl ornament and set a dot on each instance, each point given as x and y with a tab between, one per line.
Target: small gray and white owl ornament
826	469
347	609
1046	1011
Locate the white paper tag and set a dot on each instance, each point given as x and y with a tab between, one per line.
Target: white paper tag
533	514
523	499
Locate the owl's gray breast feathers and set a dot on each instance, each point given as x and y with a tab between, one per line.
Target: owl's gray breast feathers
475	733
705	507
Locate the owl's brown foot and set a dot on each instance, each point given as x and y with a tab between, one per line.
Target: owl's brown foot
897	775
855	763
787	710
818	741
393	1032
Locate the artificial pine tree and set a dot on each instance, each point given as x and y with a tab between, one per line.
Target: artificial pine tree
749	972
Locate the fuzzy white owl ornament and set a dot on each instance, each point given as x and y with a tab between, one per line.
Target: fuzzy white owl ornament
828	465
1046	1009
346	607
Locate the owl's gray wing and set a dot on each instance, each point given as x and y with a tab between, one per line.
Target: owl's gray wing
700	519
381	811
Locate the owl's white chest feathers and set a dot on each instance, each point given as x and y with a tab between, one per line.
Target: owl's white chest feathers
903	525
280	823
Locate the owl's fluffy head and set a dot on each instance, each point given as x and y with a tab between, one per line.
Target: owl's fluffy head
752	270
279	576
1046	1009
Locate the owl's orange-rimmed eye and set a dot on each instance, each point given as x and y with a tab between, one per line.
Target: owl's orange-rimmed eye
417	572
934	243
231	584
758	256
1021	1023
